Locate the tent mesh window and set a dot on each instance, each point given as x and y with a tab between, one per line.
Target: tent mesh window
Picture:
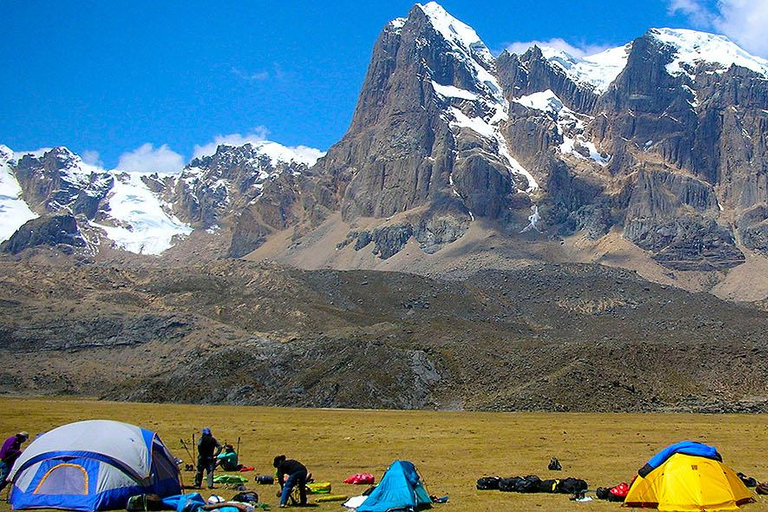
64	479
162	464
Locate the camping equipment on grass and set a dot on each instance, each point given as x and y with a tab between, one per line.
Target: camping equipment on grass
399	488
747	480
360	479
246	497
532	483
616	493
265	480
554	464
184	502
92	465
688	476
145	503
355	501
488	483
318	488
331	497
229	479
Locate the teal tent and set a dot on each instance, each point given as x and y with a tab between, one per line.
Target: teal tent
399	489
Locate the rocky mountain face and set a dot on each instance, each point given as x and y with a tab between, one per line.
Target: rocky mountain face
662	141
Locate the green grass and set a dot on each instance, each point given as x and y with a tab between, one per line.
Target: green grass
450	449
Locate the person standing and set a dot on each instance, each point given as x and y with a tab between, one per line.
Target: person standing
9	452
297	475
208	448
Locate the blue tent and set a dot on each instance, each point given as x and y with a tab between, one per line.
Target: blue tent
92	465
399	489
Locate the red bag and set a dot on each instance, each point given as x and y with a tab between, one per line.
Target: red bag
360	479
620	490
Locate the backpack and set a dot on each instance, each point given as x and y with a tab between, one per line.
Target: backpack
554	464
144	503
360	479
246	497
548	485
571	486
619	492
508	484
530	483
602	493
265	480
487	483
747	480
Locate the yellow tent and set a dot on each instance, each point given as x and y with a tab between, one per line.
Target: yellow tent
689	483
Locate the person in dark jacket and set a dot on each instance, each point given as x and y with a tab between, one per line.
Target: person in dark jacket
296	474
208	448
9	452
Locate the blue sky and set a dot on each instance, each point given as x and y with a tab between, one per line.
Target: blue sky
153	80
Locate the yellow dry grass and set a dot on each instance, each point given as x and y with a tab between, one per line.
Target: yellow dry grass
450	449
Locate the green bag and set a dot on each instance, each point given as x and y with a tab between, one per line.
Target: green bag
229	479
319	488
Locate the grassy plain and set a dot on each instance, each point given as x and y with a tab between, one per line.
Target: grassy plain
450	449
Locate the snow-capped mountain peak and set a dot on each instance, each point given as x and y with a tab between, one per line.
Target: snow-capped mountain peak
693	47
13	210
456	32
490	107
596	71
277	153
5	154
298	154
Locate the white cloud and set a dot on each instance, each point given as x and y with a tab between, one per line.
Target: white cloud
258	76
92	157
693	9
146	158
743	21
521	47
258	134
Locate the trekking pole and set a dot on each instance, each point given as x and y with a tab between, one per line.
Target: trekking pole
191	458
238	447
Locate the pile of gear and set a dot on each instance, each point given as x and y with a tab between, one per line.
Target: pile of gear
531	484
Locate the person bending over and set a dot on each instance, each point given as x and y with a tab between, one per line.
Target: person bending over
296	474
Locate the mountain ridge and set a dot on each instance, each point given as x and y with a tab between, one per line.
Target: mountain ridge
663	148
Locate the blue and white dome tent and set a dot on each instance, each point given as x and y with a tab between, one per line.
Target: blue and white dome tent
92	465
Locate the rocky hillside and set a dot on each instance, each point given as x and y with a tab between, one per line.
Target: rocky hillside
547	337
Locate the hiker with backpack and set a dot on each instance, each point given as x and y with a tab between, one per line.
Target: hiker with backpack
208	448
296	474
9	452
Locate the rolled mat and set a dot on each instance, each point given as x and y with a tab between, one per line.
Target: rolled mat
331	497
